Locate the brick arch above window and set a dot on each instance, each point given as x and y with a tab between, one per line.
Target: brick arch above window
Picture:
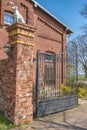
50	52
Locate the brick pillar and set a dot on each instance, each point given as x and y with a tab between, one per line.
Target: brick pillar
19	93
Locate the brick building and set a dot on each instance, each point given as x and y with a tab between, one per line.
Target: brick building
47	34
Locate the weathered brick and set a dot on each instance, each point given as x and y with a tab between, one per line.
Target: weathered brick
16	73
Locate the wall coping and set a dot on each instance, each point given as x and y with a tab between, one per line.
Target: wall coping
21	26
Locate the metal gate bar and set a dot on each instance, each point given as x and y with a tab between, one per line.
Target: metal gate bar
53	93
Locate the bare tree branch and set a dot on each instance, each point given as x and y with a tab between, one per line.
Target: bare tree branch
81	42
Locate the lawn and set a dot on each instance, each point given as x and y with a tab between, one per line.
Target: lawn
4	123
82	77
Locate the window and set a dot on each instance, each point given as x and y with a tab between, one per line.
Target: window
8	18
50	73
50	68
49	57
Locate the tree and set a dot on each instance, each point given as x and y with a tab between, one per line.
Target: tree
81	42
83	12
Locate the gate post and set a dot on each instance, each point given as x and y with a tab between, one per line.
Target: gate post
20	90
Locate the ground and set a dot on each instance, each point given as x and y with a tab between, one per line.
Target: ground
74	119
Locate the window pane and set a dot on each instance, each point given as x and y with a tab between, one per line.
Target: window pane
8	18
49	57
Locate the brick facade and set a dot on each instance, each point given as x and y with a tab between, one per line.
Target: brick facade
17	76
18	90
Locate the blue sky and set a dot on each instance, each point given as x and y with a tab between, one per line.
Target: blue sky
67	11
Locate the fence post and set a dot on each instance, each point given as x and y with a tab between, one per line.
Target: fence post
21	76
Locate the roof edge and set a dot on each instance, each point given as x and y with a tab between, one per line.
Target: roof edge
69	31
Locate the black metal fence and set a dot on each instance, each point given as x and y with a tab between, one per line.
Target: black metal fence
56	79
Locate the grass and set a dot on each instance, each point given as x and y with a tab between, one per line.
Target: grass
5	124
82	77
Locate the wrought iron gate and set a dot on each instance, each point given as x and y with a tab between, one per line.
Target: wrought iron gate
56	82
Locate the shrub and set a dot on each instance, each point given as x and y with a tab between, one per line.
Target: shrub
82	92
82	89
65	90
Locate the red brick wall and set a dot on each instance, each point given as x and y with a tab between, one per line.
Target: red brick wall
49	36
16	77
49	33
7	85
23	6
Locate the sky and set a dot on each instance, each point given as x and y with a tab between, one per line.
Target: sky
67	11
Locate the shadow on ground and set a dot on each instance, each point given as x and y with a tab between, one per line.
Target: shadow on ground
67	120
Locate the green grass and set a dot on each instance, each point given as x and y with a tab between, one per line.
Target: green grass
5	124
81	77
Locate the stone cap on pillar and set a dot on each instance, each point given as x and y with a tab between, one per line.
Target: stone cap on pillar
22	33
22	26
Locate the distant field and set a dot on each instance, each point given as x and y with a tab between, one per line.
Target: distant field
81	77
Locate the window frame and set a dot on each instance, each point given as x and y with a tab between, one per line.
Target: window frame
49	57
10	15
50	68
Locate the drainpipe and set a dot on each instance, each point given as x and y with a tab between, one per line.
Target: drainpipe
62	62
62	73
